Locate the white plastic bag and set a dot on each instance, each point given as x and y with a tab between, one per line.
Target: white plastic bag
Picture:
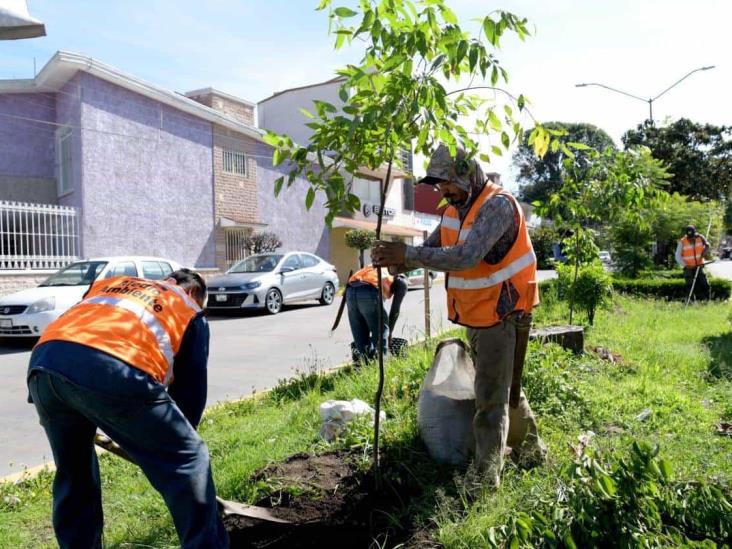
335	414
447	404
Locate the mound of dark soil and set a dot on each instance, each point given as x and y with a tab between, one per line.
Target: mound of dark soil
329	502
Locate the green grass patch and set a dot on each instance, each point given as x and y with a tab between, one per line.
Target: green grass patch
675	364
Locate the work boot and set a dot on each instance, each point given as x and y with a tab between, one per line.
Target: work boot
532	453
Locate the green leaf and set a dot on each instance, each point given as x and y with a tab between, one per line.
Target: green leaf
493	119
484	157
323	4
579	146
489	27
344	12
448	15
306	112
278	185
505	140
343	94
666	471
555	145
277	157
310	198
497	150
521	102
473	58
271	138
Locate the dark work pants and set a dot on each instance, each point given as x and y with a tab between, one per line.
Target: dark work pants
152	430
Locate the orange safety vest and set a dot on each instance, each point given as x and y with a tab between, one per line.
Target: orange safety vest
370	276
692	253
473	295
140	322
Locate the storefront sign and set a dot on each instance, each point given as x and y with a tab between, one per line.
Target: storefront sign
368	209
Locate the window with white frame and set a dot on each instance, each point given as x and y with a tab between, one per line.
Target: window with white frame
64	149
235	162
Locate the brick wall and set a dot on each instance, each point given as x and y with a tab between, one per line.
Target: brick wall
235	196
238	111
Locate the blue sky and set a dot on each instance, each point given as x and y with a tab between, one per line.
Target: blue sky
252	48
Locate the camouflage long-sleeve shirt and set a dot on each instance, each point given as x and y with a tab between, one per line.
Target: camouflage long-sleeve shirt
492	235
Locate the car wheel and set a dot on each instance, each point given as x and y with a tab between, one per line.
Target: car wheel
328	294
273	301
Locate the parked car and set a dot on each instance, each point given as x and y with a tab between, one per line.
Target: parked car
605	257
269	281
27	313
415	278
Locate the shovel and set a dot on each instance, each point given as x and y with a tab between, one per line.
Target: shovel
226	507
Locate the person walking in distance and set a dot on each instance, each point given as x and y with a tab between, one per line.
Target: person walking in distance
483	245
690	253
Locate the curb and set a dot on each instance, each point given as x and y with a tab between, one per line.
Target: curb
31	472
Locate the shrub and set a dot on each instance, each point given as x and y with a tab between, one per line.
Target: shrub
360	239
668	288
631	247
592	289
259	243
543	240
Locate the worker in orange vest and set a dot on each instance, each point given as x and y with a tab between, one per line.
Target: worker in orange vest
483	245
106	363
362	299
690	253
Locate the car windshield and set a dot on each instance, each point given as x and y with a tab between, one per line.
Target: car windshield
82	273
257	264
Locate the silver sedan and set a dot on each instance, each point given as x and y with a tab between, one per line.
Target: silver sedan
269	281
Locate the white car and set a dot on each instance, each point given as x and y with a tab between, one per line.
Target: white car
605	257
27	313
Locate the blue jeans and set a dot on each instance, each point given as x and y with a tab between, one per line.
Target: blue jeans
154	432
363	316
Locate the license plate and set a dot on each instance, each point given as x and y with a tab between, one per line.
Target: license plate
221	297
6	323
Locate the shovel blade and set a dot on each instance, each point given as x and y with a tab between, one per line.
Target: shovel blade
229	508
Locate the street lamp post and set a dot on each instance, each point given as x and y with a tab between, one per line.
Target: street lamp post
652	99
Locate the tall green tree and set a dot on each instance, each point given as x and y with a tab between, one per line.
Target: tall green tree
539	177
418	78
699	156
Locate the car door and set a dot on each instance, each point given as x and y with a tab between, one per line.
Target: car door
313	278
291	280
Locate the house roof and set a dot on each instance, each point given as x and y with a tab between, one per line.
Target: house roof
276	94
214	91
63	65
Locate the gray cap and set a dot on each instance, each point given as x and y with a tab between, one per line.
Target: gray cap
443	167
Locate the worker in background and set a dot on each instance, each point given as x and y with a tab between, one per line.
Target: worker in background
690	256
362	299
483	244
106	363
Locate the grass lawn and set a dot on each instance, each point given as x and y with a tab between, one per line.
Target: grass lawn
675	365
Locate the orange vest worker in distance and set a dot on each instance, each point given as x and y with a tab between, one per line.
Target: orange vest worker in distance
473	295
692	251
369	275
140	322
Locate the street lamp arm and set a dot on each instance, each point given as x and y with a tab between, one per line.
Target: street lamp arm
682	79
611	89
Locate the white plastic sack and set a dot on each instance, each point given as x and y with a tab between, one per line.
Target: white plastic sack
335	414
447	404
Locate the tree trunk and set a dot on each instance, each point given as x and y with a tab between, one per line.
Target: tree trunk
574	280
360	258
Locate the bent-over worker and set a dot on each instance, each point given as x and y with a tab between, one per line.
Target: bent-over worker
106	363
483	244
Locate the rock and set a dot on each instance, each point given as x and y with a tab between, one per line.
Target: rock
644	415
571	338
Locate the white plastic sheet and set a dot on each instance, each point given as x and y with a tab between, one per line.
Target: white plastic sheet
336	414
16	22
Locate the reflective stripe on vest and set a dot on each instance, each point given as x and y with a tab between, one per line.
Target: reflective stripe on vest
474	295
140	322
526	260
147	318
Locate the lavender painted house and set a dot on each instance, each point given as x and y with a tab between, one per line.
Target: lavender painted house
149	171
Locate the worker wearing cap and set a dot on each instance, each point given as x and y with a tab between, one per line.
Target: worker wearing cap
690	253
362	298
106	363
483	245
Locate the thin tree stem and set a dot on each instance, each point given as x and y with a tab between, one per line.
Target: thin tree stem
383	187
